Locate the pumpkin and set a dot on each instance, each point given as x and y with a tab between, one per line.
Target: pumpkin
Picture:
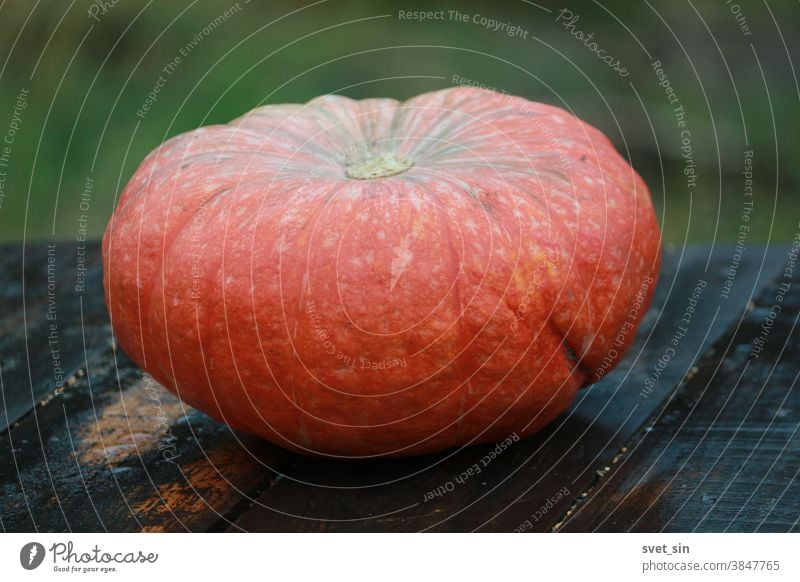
361	278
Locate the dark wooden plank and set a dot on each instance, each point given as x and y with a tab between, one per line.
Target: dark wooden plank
33	275
532	483
724	454
42	338
11	275
115	452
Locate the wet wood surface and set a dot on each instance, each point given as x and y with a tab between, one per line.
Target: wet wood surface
690	433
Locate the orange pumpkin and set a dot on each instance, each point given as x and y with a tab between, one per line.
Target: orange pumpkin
360	278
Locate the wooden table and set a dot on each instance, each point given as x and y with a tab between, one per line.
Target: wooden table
701	437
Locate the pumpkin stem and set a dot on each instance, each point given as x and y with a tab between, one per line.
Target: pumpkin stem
386	164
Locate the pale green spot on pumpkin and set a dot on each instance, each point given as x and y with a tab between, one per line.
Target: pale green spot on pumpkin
382	166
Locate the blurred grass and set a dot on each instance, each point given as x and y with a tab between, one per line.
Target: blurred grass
87	79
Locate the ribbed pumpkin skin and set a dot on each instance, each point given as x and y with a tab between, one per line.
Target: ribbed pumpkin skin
462	300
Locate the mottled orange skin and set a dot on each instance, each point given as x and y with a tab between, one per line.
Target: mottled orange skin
251	276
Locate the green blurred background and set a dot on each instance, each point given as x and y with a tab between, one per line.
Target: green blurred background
88	67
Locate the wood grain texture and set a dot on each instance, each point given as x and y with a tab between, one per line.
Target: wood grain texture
115	452
724	453
47	328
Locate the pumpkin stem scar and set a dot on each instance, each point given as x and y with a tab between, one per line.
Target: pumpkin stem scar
386	164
